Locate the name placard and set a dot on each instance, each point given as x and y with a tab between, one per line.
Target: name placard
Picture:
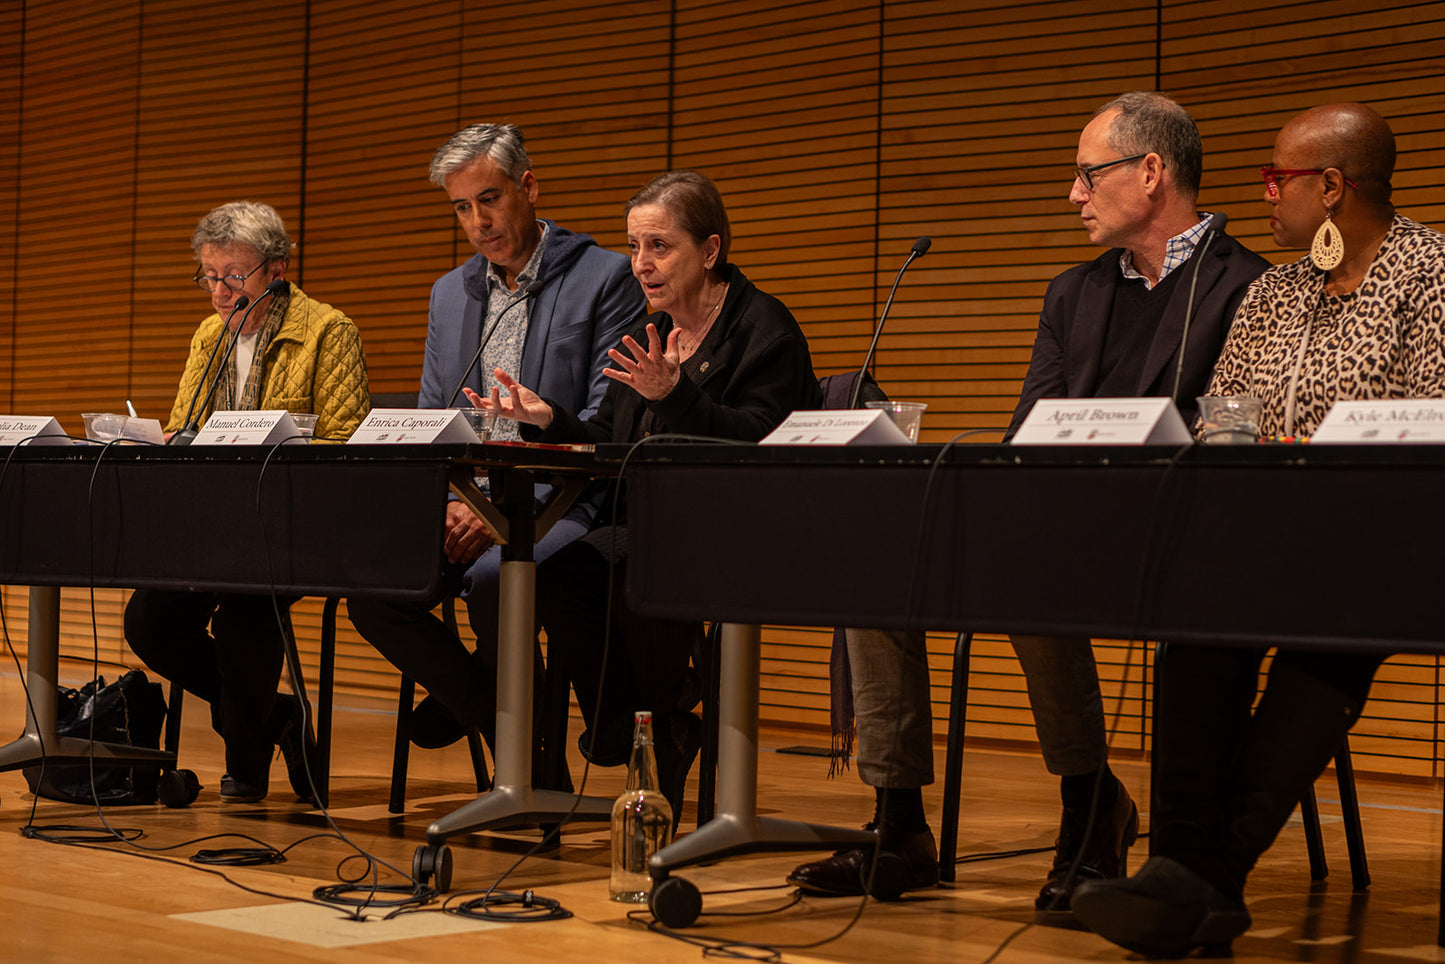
1103	421
249	428
31	430
1376	421
841	427
413	426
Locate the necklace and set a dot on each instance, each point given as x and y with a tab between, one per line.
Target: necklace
689	341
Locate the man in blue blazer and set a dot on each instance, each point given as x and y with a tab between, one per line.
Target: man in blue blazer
1111	327
537	301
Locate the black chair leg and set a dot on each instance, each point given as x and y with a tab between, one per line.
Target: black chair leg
479	760
325	691
1314	838
709	666
176	697
1350	810
402	749
953	764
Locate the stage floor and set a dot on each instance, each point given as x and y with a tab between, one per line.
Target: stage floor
111	902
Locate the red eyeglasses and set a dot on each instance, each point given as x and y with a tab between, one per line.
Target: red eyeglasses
1273	176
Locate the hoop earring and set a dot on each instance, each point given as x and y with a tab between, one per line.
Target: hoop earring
1328	248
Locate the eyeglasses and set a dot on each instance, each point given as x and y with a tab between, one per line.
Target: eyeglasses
1274	175
1086	174
235	282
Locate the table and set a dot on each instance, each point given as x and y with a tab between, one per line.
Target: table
188	518
1193	544
294	520
1174	548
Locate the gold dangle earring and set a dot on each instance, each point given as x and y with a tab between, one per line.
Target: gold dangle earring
1328	248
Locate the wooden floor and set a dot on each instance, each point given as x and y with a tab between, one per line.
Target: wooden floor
119	902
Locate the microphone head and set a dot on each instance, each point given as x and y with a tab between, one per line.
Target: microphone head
921	246
1220	220
277	287
241	302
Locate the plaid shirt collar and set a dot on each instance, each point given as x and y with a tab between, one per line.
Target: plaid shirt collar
1177	251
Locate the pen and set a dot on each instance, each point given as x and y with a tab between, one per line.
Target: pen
130	408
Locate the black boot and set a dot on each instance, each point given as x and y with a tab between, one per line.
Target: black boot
1298	727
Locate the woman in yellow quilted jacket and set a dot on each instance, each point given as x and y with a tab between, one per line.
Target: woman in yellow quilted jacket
293	353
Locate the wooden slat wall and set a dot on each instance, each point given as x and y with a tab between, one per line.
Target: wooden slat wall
12	37
839	131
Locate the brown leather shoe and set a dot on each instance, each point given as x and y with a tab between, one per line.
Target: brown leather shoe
1104	854
841	875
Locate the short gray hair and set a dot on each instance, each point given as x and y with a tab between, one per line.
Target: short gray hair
501	143
251	223
1148	122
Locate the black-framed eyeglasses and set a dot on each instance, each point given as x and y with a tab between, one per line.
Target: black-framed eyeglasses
235	282
1274	177
1086	174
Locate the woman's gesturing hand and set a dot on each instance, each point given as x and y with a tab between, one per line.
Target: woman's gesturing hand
651	373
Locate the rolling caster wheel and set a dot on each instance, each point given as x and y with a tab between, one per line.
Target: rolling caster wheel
433	863
890	874
178	788
675	902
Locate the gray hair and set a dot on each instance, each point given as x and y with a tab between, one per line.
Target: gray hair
501	143
251	223
1148	122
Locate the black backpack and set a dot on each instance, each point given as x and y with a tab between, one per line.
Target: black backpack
129	712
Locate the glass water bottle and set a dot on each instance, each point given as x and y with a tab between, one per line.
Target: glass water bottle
641	819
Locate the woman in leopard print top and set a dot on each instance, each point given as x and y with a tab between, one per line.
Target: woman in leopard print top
1301	347
1369	325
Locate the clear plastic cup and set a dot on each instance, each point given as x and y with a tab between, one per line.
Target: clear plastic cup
305	424
104	426
480	420
1229	419
908	416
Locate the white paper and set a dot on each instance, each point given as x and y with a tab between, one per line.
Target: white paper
850	426
1103	421
1372	422
413	426
31	430
143	430
249	428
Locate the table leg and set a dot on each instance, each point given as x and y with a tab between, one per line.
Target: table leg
42	668
737	828
512	801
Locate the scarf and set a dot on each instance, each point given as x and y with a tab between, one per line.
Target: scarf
251	398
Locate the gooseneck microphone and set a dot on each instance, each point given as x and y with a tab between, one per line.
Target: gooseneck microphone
186	426
188	433
920	248
521	294
1216	228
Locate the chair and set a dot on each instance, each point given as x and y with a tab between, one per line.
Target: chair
406	697
1309	809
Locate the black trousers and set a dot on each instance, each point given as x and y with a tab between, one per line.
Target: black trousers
645	664
234	667
1229	773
